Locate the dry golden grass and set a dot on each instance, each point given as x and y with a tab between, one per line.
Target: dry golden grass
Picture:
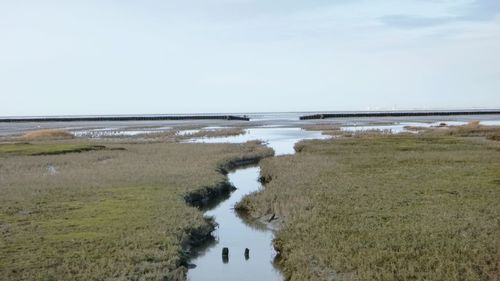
174	136
326	129
321	127
225	132
472	129
107	214
47	135
495	137
386	207
415	128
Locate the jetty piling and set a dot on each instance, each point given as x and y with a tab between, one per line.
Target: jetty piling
398	114
123	118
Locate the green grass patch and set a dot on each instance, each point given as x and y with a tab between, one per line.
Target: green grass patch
107	215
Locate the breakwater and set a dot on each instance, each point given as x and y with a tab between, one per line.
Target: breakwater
124	118
398	114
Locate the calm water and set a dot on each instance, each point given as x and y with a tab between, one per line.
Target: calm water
233	232
281	140
236	232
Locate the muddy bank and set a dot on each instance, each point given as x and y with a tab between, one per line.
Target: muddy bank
270	220
248	242
192	238
244	207
276	222
205	198
207	195
240	163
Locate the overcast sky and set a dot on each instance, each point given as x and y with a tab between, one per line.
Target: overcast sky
119	57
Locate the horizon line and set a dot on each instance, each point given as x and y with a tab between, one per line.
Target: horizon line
250	113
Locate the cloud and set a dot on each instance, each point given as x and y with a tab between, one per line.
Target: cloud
478	10
409	21
79	57
482	10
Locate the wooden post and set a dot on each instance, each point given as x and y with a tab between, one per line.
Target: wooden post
225	255
247	253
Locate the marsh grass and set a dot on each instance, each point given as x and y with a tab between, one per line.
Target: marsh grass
472	129
326	129
106	214
45	148
174	136
386	207
47	134
213	133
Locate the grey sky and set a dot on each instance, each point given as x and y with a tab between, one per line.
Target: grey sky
112	57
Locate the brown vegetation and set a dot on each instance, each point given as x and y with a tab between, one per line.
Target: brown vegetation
47	134
107	214
327	129
472	129
9	149
386	207
213	133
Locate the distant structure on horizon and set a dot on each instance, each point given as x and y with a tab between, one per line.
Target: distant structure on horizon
124	118
399	114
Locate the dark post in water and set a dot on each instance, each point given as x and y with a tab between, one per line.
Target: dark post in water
247	253
225	255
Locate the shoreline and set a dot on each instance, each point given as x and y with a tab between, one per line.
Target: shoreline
122	118
205	197
11	129
413	113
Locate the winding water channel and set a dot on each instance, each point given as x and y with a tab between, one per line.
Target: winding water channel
238	233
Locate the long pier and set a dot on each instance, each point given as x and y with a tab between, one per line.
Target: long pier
398	114
124	118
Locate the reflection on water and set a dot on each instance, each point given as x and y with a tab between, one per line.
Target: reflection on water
252	222
491	123
117	132
269	120
251	255
188	132
249	242
214	203
397	127
281	140
256	263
